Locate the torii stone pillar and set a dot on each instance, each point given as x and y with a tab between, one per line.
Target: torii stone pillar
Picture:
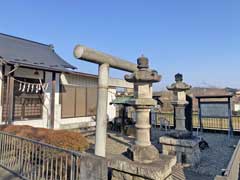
143	150
103	75
104	61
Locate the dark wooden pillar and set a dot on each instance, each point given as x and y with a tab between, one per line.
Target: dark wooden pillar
2	89
2	79
200	115
53	100
9	94
188	114
230	126
174	117
123	119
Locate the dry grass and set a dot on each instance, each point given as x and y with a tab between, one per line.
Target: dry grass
60	138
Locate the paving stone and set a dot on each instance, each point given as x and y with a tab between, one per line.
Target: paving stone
6	175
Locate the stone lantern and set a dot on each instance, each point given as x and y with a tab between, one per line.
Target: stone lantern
143	150
179	141
179	102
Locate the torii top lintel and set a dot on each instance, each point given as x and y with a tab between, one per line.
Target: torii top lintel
91	55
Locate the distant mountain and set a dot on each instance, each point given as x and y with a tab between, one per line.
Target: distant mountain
231	90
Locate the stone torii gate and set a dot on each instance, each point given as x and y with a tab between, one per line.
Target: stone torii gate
104	61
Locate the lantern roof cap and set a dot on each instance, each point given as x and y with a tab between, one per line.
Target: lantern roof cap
179	85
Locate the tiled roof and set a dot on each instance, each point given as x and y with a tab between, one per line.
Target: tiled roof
122	100
28	53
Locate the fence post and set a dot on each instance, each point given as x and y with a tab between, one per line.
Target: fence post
1	147
93	168
21	156
73	167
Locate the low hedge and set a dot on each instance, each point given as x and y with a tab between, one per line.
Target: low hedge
60	138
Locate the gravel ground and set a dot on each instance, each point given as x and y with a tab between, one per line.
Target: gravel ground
116	144
217	156
213	159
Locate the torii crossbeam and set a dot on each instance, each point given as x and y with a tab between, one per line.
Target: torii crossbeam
104	61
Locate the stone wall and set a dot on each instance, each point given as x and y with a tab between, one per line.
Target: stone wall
125	169
93	168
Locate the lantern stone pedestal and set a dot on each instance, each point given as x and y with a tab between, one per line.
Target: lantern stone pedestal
179	141
145	154
144	161
143	150
186	150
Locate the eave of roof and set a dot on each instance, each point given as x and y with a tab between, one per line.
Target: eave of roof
82	74
122	100
15	50
215	96
39	67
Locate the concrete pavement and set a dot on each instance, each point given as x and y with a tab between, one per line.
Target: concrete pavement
6	175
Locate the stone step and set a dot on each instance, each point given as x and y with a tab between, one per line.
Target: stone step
178	173
88	132
78	125
85	131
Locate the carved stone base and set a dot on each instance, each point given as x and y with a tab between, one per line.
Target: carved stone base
144	154
178	134
186	150
126	169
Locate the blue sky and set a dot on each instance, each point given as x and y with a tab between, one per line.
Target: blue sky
199	38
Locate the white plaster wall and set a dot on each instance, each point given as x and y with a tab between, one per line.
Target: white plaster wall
113	82
35	123
78	80
111	109
74	123
74	80
77	120
47	100
57	113
66	79
69	79
85	81
28	73
57	93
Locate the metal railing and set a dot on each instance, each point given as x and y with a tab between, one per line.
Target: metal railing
208	123
32	160
233	170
